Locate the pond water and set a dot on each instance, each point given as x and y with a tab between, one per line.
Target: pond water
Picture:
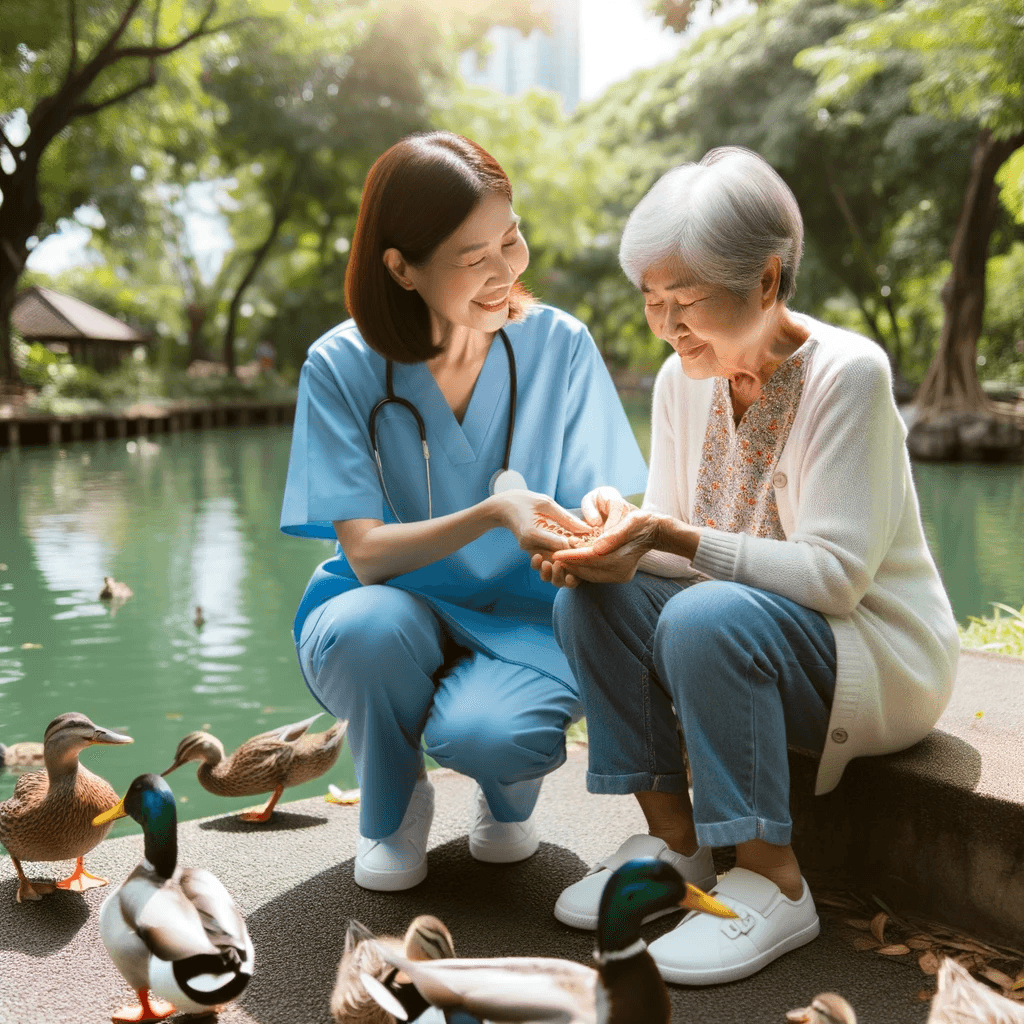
191	519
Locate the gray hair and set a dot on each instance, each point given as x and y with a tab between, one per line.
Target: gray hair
721	220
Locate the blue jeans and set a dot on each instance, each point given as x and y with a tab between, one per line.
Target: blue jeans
375	656
743	671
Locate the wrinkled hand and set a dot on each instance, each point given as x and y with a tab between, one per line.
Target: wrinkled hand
539	524
604	507
613	556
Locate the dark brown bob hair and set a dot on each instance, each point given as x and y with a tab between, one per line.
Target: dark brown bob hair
417	193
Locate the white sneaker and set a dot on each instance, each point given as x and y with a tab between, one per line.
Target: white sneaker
499	842
399	861
705	950
579	904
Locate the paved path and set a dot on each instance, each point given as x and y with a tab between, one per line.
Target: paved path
293	880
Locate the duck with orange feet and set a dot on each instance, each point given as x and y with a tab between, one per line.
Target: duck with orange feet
50	815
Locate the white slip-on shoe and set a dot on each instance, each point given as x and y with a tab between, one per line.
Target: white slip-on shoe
499	842
706	950
578	905
399	861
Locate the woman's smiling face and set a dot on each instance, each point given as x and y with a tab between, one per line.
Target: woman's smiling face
714	332
467	280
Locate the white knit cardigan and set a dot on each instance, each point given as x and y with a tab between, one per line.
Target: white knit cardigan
854	549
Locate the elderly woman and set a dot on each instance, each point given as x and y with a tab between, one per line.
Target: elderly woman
787	596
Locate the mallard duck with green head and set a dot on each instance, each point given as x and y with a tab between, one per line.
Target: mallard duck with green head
171	931
50	814
624	988
267	763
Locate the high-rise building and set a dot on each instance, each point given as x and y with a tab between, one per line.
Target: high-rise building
545	60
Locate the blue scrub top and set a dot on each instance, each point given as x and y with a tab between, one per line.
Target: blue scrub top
571	435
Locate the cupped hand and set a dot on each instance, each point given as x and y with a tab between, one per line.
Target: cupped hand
613	556
539	523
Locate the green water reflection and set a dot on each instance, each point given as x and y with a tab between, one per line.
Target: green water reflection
189	519
192	519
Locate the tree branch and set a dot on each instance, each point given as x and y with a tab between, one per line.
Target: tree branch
84	109
162	51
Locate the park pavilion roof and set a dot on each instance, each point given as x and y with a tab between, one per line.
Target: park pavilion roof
41	314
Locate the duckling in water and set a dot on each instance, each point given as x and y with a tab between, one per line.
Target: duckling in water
27	754
267	763
425	939
114	590
50	816
172	931
625	987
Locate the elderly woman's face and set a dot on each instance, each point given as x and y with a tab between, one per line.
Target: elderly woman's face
714	332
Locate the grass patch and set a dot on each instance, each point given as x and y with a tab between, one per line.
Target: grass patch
1001	633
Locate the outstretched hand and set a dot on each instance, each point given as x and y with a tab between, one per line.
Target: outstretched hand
539	524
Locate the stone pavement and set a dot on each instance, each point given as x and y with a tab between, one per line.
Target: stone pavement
293	881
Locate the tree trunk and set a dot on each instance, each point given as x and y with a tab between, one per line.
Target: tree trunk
22	213
280	215
196	313
951	384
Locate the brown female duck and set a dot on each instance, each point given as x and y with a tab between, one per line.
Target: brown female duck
267	763
49	817
426	938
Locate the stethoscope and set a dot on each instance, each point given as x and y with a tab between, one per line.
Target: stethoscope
504	479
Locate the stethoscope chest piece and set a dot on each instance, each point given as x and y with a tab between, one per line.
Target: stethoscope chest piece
507	480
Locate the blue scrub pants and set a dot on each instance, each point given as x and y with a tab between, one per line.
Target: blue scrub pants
371	655
744	671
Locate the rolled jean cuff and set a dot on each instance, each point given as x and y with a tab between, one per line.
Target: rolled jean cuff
640	782
742	830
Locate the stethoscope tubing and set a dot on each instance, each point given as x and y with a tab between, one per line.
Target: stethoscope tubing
390	396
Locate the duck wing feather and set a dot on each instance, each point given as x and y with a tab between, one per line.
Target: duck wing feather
221	919
545	990
163	917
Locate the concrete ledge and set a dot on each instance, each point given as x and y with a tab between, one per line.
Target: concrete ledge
937	829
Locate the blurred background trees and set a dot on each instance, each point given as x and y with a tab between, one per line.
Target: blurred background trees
898	124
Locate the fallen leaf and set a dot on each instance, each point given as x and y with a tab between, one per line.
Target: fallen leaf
1018	985
1004	981
31	647
174	716
3	567
970	946
878	926
205	725
897	949
969	961
929	962
920	942
182	799
859	924
925	995
863	942
267	711
347	797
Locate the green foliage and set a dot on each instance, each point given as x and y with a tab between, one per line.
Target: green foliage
1003	635
970	59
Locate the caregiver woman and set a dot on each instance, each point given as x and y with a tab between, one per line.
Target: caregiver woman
429	561
789	597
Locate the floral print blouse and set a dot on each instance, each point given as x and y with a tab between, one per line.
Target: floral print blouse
735	489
